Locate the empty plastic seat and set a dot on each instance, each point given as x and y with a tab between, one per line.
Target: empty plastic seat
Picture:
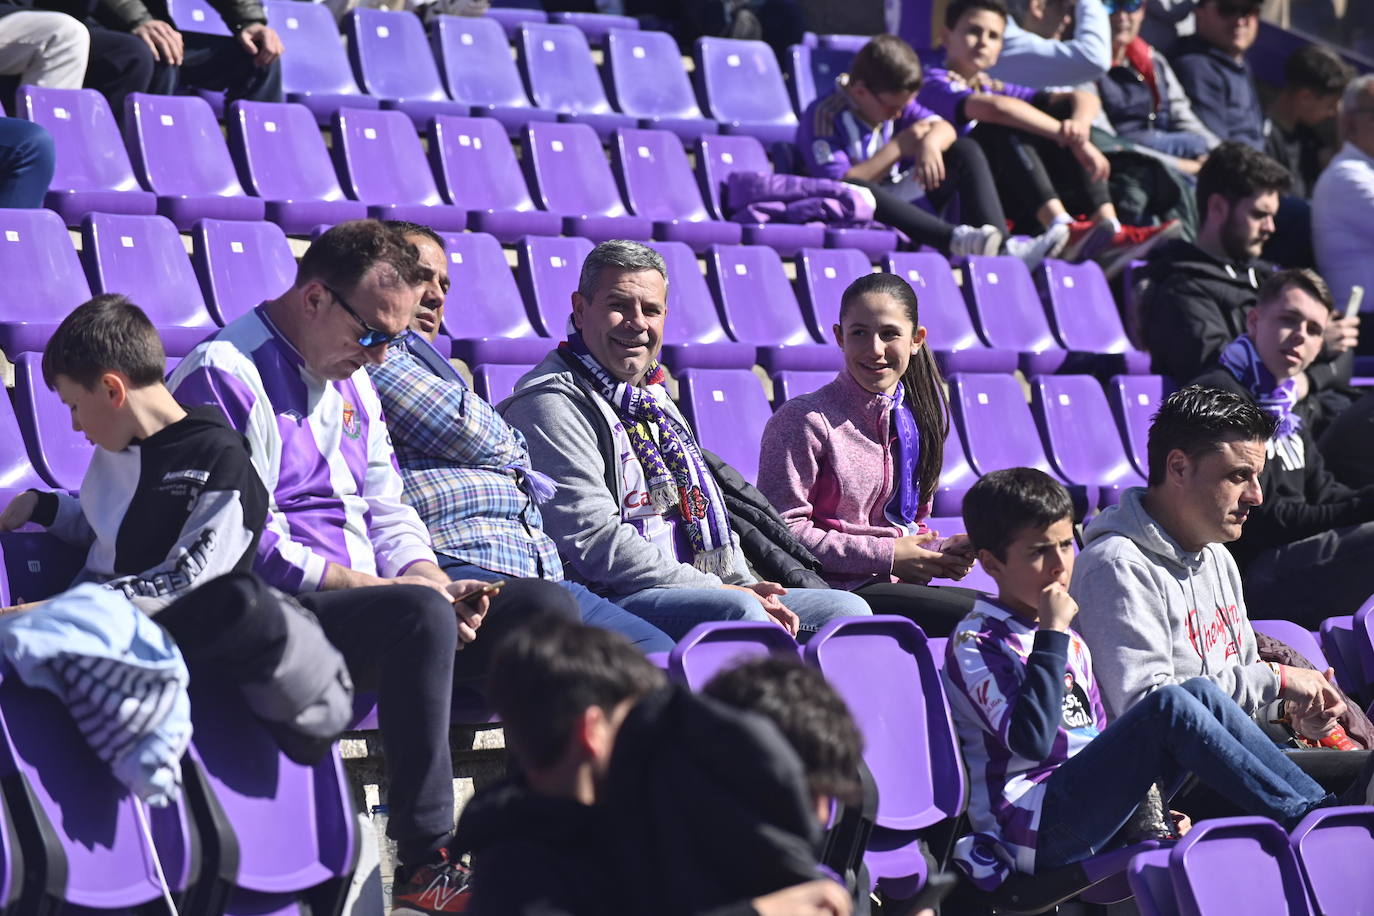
1238	865
43	279
790	384
1334	846
283	160
758	307
92	170
1009	313
568	174
179	153
547	270
658	182
496	383
1293	634
57	451
1134	400
478	173
314	68
197	16
392	60
480	72
693	336
956	476
723	406
513	16
1340	641
240	265
1084	315
382	164
595	25
37	565
743	89
944	313
823	274
17	470
647	81
709	648
559	71
486	318
812	72
1076	423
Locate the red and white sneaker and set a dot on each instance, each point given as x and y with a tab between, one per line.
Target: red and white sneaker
1087	239
1135	242
432	889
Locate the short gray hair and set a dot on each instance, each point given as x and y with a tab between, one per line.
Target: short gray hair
620	255
1350	98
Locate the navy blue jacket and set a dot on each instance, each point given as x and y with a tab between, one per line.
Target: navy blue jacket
1223	91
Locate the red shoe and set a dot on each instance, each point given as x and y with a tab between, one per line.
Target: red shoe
1135	242
1087	238
432	889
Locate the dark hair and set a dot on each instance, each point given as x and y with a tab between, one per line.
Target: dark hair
957	8
1002	504
1317	68
1309	281
1236	171
406	227
809	713
546	674
1197	420
922	383
341	256
887	64
1247	4
107	334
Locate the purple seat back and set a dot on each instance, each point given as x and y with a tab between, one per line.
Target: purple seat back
718	155
996	423
58	452
143	258
942	307
514	15
813	72
741	82
38	565
496	383
794	383
755	296
558	69
883	669
568	171
90	151
197	16
314	61
390	55
645	74
1295	637
476	165
241	264
382	160
43	275
692	313
547	271
823	274
721	404
956	476
1150	883
1363	625
656	175
1335	847
281	151
177	146
1074	419
1238	865
1082	311
1340	643
484	301
478	67
709	648
1134	400
17	470
595	26
1005	305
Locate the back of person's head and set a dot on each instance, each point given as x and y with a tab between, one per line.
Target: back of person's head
341	257
546	675
809	713
958	8
1301	278
106	334
1357	97
1197	420
1317	69
1236	171
887	64
1002	504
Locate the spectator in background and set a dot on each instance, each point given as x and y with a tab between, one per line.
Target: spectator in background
42	48
1035	52
1313	79
27	160
1212	67
1343	199
1166	21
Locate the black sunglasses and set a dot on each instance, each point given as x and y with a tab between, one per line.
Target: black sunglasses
1123	6
371	336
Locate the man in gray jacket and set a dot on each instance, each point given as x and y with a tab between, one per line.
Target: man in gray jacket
639	517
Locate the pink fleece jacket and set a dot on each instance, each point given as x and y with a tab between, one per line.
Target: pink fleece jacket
826	464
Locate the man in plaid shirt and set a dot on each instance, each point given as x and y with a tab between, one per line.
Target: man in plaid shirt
467	472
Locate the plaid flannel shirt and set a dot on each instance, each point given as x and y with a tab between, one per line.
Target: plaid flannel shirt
457	456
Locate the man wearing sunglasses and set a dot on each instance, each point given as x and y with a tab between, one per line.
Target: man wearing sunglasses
1211	65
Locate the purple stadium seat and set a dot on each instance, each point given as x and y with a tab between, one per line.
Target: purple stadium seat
197	16
569	174
1134	400
314	69
511	18
693	336
57	451
709	648
37	565
283	160
558	68
976	578
1340	644
383	165
547	270
659	185
790	384
647	81
812	73
1009	314
944	313
1334	847
596	26
743	89
1238	865
1084	315
883	669
496	383
486	319
758	307
1151	885
43	278
848	44
17	471
143	258
1076	424
1295	637
823	274
478	173
474	55
392	60
956	477
721	404
240	265
93	170
998	430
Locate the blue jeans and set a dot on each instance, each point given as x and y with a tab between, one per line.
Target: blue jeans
677	610
596	611
1180	728
1179	143
27	159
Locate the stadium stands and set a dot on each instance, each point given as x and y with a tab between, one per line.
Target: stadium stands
315	69
483	293
653	169
383	164
719	403
558	68
392	60
646	80
711	647
569	174
240	264
480	72
478	173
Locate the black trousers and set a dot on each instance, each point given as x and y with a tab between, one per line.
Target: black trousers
1031	171
1348	443
120	63
933	608
1312	579
218	63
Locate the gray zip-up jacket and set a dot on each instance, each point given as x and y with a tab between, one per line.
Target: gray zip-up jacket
1153	613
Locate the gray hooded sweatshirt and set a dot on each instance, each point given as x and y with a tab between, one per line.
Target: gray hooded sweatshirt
1153	613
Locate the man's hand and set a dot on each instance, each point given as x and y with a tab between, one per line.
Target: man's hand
930	166
821	897
1093	162
19	511
768	595
1343	334
1057	609
164	41
1312	694
1072	133
912	561
471	610
262	42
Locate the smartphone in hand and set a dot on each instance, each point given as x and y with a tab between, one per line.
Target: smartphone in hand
488	590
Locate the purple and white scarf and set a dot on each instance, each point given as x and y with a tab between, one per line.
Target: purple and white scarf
902	508
1242	360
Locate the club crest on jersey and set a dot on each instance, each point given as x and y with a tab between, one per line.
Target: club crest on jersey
351	426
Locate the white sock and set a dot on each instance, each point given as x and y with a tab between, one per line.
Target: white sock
1062	219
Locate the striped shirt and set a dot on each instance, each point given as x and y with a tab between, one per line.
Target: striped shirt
999	695
322	450
833	138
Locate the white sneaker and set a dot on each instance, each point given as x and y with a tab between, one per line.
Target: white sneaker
1034	250
967	240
